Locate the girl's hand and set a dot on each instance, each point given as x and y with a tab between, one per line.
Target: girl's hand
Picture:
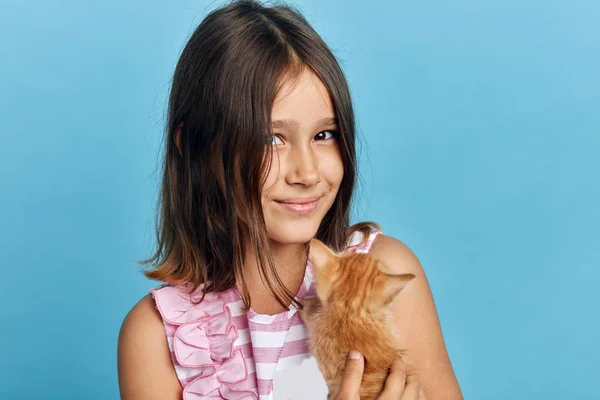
397	385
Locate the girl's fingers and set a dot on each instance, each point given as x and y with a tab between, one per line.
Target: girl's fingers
352	377
412	390
394	384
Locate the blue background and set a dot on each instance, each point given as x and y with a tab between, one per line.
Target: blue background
480	125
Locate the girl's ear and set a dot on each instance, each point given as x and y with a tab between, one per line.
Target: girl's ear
320	255
178	138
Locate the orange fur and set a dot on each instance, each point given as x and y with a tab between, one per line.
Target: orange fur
350	313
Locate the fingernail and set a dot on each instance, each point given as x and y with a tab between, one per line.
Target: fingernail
354	355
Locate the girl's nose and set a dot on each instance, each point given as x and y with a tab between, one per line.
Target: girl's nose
303	169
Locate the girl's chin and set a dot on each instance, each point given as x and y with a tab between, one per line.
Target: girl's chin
293	235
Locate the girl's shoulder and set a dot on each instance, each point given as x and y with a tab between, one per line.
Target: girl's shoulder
367	237
398	257
144	362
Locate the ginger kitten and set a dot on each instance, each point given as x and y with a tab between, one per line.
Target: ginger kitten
350	313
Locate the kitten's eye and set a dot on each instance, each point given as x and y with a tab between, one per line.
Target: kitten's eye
326	135
276	139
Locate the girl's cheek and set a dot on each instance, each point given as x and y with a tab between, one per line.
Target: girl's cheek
332	161
273	172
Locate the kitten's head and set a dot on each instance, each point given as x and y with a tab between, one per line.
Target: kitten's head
355	281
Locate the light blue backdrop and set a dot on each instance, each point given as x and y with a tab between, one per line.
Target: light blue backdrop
481	131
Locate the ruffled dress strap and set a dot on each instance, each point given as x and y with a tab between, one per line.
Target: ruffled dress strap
361	243
202	339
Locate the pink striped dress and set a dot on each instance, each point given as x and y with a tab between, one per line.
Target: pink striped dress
220	352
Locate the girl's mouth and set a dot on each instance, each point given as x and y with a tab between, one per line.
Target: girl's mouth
300	206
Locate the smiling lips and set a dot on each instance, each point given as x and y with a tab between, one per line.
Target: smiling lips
300	206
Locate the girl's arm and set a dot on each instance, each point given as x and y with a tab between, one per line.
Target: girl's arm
417	325
146	371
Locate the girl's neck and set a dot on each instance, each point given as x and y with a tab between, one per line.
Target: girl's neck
290	262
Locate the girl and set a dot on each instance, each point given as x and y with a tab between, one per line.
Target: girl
260	158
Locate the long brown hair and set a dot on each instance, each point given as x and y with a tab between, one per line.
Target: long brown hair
219	113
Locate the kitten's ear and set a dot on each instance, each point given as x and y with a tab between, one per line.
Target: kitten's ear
320	255
392	286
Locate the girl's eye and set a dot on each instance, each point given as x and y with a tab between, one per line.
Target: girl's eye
325	135
275	140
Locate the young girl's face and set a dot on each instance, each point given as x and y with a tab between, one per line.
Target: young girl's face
306	169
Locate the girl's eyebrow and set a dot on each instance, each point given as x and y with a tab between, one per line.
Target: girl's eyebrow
292	124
